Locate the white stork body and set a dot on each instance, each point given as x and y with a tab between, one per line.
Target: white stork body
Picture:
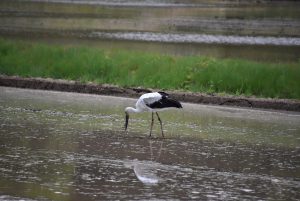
152	102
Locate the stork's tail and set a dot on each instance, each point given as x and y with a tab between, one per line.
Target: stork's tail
174	103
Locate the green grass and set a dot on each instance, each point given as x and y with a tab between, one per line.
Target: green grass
128	68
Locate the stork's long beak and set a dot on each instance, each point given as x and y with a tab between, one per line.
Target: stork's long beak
126	120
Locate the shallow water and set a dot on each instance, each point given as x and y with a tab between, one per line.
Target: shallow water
67	146
227	29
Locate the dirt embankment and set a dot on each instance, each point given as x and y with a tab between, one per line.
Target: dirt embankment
73	86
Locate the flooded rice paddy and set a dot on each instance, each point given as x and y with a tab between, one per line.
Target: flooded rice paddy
67	146
256	30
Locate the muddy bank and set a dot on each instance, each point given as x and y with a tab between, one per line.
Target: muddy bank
74	86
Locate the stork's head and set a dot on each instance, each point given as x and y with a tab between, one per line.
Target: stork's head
127	110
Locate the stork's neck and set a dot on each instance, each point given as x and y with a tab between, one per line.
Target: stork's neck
132	110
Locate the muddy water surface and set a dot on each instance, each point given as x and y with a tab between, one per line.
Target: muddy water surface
66	146
257	30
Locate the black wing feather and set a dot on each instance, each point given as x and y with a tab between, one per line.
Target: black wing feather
165	102
163	93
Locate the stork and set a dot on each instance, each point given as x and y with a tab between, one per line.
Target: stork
152	102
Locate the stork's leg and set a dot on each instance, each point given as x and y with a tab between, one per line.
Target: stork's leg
151	125
162	132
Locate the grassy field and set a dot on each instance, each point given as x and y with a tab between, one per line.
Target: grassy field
127	68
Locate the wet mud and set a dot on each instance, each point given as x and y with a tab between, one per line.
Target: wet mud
73	86
69	146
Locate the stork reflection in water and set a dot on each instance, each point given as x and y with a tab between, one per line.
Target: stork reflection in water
146	171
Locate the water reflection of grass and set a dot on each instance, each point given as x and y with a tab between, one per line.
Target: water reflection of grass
127	68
